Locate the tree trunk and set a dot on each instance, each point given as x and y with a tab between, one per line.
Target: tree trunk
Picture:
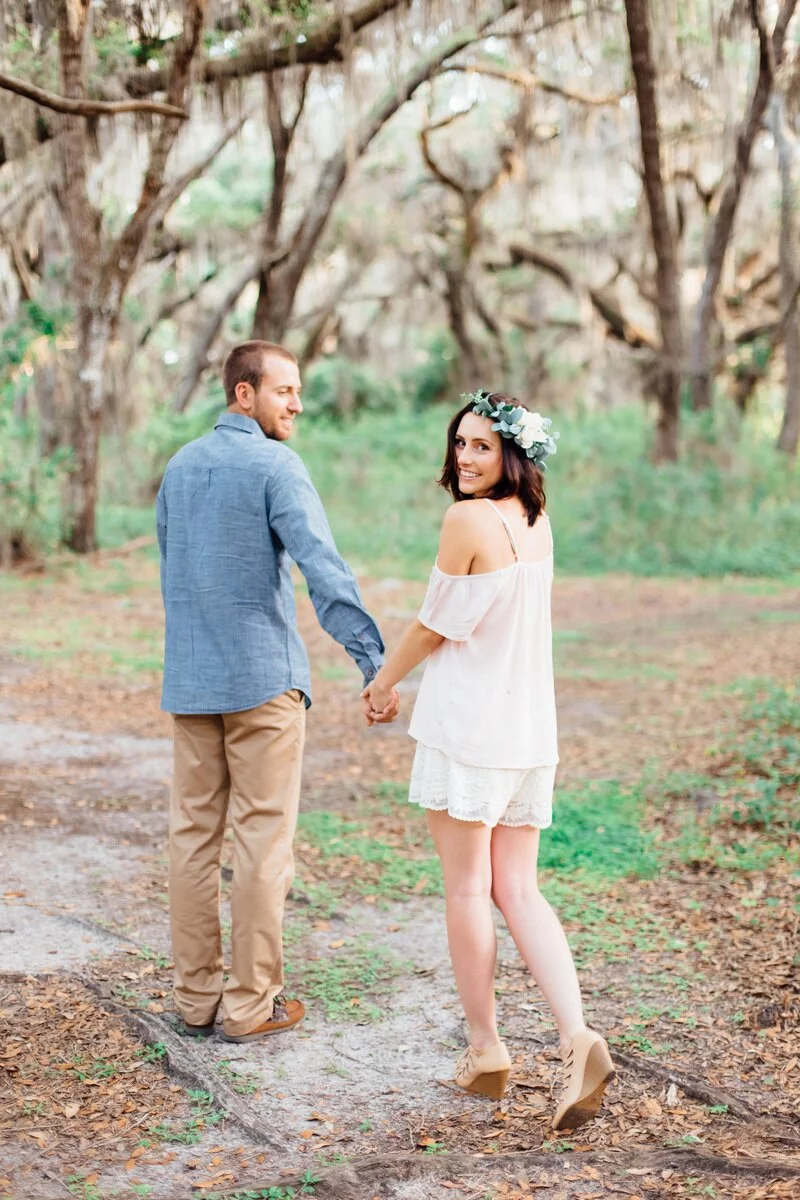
271	316
456	300
83	223
664	243
99	282
770	56
789	436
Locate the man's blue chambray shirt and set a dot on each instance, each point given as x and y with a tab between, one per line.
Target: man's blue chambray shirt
234	508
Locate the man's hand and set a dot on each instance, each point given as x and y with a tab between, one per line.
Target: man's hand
381	706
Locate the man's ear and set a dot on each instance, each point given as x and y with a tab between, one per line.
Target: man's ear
244	394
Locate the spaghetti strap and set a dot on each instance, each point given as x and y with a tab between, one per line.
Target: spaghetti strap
506	527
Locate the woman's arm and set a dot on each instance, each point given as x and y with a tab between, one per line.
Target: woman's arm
456	552
415	645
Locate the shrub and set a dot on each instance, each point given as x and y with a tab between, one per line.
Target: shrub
339	389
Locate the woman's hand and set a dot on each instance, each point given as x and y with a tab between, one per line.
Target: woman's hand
381	703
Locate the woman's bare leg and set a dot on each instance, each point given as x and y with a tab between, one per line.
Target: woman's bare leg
534	926
464	850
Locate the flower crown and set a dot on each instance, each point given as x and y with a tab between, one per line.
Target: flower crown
528	429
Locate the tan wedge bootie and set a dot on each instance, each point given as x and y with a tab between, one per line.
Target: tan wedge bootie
588	1070
484	1071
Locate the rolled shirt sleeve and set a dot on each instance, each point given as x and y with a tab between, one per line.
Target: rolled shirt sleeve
297	518
161	533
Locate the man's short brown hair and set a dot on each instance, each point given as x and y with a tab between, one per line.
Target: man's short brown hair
245	364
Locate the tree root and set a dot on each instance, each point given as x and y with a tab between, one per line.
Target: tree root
186	1064
374	1176
698	1089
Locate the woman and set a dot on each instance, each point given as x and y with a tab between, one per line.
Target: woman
485	727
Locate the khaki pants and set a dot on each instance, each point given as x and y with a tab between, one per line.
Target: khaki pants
251	760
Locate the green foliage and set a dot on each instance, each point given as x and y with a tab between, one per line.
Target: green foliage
377	479
79	1186
154	1053
30	479
189	1133
245	1083
434	375
307	1182
228	196
729	506
30	485
337	388
114	50
164	434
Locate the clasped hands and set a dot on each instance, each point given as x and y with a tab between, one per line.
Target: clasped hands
381	703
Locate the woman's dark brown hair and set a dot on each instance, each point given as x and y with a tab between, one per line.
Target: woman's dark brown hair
521	477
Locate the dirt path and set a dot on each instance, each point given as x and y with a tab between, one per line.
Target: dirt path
684	924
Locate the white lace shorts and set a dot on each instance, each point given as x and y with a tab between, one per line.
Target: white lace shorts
493	795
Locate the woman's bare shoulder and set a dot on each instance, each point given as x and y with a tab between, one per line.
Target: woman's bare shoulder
463	515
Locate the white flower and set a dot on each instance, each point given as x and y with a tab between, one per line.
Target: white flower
533	430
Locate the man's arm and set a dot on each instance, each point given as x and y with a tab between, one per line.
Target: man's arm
296	516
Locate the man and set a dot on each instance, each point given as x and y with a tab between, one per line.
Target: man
234	508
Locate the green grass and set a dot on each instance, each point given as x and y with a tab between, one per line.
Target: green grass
753	820
189	1132
398	871
346	985
600	828
244	1082
79	1186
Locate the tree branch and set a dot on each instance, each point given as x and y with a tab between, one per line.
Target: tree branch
529	81
88	108
263	53
171	307
336	168
771	52
208	334
619	325
173	190
448	181
120	262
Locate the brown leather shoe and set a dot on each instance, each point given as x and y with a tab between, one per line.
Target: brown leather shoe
197	1031
285	1014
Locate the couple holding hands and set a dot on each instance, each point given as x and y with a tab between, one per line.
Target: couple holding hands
235	509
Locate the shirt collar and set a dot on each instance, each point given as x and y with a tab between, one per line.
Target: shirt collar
234	420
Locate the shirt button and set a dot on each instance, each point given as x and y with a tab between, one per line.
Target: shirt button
370	672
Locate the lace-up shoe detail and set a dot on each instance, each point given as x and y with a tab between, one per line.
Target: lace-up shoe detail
484	1071
588	1070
